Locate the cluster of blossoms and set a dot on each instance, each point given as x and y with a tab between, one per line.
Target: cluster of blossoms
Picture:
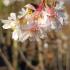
34	21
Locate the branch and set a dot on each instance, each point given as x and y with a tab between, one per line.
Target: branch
40	49
25	60
6	60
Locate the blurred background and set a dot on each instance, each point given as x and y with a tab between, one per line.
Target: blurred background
24	56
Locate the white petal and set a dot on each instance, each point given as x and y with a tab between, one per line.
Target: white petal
13	24
61	20
6	26
24	36
5	21
13	16
52	25
23	10
21	13
15	35
45	13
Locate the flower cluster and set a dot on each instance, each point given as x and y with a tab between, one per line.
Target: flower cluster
34	21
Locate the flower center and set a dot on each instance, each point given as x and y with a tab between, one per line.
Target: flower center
22	21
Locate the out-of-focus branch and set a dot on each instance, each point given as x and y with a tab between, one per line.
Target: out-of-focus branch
25	60
6	60
40	49
59	44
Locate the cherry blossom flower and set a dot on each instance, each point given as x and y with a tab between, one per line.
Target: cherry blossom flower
56	16
11	22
